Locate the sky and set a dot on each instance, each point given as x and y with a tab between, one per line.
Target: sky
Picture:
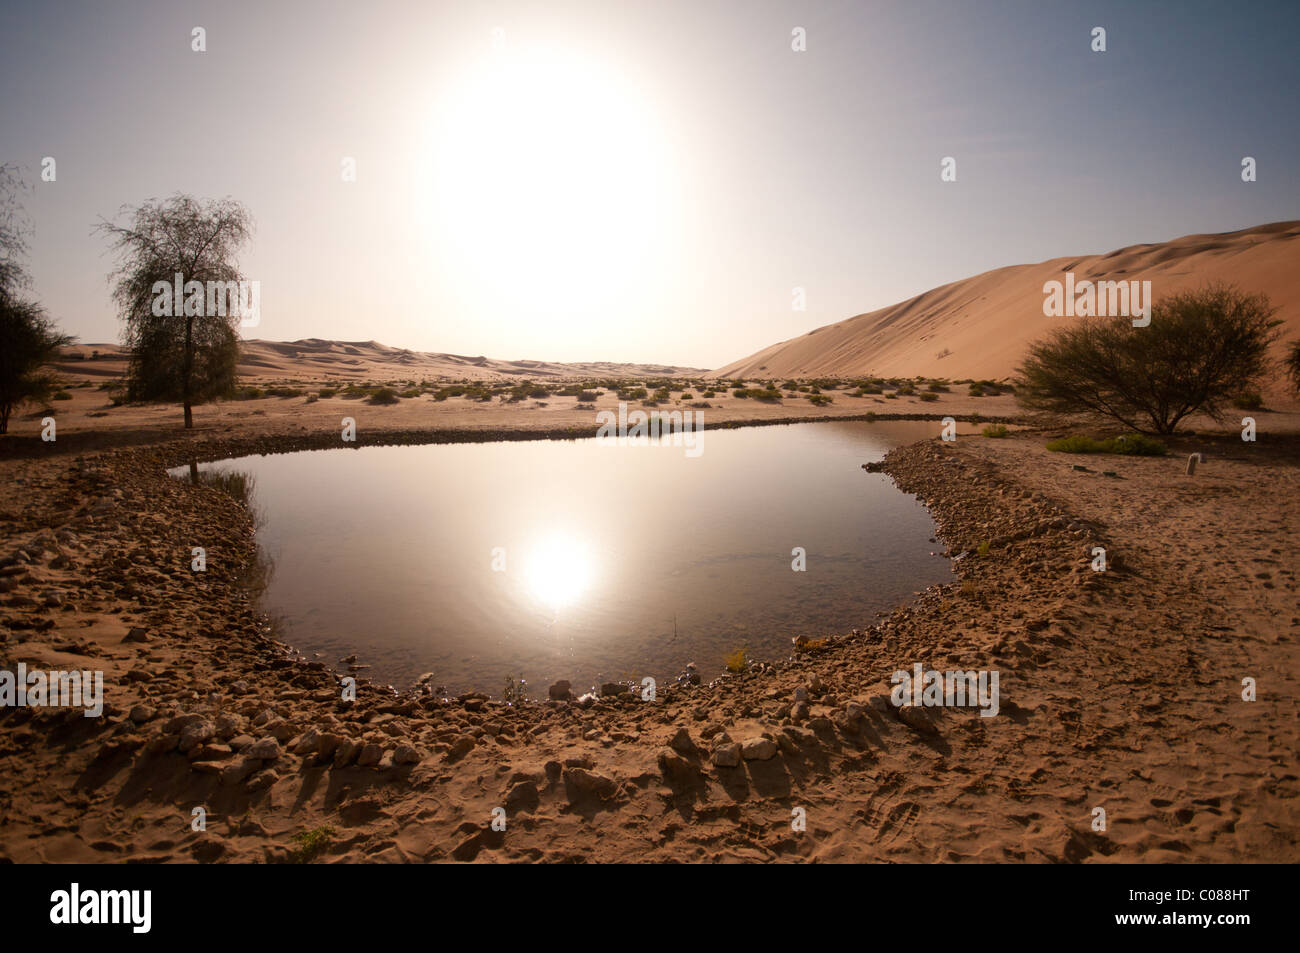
637	181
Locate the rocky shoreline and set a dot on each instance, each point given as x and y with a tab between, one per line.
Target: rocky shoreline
206	708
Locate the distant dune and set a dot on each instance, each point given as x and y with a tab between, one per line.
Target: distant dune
315	359
980	327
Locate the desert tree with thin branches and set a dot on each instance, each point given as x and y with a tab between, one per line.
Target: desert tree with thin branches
1202	348
182	357
28	338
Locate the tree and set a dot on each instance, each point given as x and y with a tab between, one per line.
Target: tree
1292	364
1201	349
28	340
183	353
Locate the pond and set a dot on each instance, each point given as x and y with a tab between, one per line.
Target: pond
583	560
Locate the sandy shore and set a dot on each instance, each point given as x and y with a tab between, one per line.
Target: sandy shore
1119	690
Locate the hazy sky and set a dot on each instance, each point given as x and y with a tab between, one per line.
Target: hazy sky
638	181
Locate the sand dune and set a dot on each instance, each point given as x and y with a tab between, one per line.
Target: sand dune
980	327
316	359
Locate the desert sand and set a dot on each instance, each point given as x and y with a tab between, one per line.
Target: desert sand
979	327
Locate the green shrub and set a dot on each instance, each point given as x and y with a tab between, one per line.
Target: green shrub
995	430
328	391
1248	400
384	395
1133	444
929	397
310	844
1138	445
819	400
62	395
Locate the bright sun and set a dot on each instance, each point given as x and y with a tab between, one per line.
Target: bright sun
552	182
558	570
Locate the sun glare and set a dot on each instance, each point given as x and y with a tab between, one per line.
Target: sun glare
552	183
558	570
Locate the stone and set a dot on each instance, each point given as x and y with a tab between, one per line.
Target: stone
346	753
584	782
523	796
918	718
460	747
726	755
676	768
613	688
261	781
141	713
560	691
327	744
195	733
406	754
236	771
267	749
758	749
307	742
136	634
682	743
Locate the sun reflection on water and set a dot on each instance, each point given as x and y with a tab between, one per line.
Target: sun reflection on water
558	570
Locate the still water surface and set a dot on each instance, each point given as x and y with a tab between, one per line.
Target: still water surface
586	561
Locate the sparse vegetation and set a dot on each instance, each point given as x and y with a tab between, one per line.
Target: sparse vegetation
996	431
1201	349
1134	444
310	844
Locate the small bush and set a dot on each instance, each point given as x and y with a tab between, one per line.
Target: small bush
310	844
736	660
384	395
982	549
327	391
995	430
1134	444
975	390
819	400
1248	400
62	395
929	398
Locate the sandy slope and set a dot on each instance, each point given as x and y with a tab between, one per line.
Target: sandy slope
315	359
986	322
